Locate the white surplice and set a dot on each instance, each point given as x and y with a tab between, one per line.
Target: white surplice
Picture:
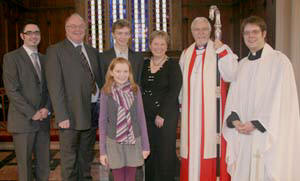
264	90
192	128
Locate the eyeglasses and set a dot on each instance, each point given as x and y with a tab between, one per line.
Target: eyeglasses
31	33
204	30
122	33
73	27
254	32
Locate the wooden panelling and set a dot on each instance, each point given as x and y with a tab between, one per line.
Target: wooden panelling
176	26
232	14
197	8
9	15
50	14
52	25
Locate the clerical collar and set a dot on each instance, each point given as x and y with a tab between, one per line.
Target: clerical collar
256	55
201	47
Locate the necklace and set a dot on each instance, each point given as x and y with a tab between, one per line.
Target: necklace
154	67
160	62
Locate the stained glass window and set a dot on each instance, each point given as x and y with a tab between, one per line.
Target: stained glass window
161	15
140	25
117	11
95	23
140	12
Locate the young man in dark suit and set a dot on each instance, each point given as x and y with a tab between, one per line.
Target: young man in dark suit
74	78
28	116
121	33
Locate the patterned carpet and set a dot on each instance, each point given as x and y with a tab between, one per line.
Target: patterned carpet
8	164
8	167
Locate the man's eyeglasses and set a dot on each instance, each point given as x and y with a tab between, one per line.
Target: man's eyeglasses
31	33
254	32
73	27
205	30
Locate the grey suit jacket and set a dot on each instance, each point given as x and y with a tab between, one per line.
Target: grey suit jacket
68	84
136	60
26	93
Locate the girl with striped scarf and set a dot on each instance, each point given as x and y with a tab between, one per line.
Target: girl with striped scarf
123	137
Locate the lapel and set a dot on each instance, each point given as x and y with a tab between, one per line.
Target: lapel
25	57
131	58
92	58
111	54
71	50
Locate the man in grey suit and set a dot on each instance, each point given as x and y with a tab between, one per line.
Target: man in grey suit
73	76
121	32
28	118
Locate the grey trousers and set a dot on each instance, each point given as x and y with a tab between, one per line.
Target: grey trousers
26	144
76	149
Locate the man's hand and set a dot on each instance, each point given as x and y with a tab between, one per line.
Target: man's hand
64	124
44	113
146	154
246	128
159	121
37	116
237	123
217	44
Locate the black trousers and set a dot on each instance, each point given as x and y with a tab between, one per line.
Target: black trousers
161	164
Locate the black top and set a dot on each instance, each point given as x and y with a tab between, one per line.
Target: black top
161	90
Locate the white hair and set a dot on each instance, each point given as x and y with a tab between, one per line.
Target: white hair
203	19
74	15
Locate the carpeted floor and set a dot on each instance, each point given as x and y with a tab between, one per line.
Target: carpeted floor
8	166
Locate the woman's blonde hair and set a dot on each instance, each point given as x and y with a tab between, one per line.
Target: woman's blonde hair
109	80
161	34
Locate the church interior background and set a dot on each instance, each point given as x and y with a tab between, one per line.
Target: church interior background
172	16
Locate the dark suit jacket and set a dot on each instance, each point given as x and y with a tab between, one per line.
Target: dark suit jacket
26	93
136	59
68	84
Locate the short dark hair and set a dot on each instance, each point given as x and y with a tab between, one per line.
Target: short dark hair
120	23
27	22
254	20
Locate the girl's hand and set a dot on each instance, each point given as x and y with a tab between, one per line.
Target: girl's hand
146	154
104	160
159	121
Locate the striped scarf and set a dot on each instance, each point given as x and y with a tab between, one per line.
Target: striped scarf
123	95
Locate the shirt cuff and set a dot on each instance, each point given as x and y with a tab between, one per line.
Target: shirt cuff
232	117
258	126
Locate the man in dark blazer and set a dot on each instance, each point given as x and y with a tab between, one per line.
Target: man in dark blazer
28	118
121	32
74	78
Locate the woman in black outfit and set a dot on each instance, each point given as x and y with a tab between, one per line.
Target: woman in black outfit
161	84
